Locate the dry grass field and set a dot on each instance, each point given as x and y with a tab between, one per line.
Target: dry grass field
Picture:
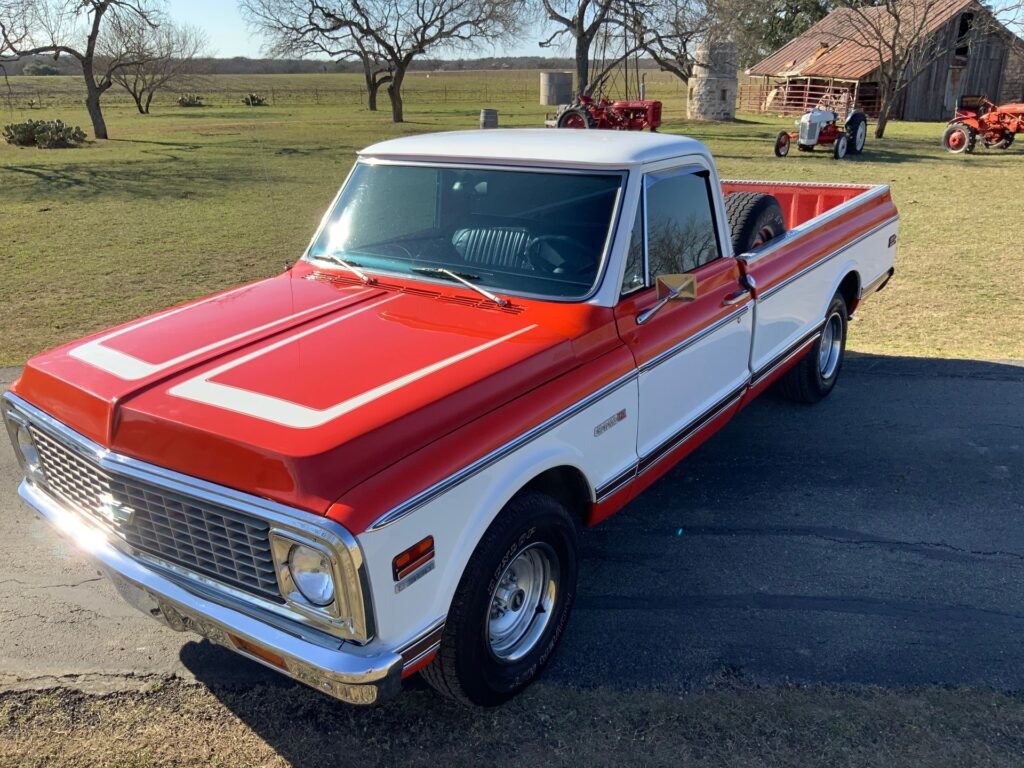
185	201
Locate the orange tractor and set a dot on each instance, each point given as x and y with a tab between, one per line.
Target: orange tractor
996	125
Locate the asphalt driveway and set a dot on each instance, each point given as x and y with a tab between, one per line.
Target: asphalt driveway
875	538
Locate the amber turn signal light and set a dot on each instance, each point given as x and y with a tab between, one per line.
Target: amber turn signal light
408	561
274	659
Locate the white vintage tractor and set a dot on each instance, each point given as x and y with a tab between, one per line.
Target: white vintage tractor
820	127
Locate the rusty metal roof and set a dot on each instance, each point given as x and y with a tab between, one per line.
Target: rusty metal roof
838	46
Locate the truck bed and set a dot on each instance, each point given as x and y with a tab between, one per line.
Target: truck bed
801	201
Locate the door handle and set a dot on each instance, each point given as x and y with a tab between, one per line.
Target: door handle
735	298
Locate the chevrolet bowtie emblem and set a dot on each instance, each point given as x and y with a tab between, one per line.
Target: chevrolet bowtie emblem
114	512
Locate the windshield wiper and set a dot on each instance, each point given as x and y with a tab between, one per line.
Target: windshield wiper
350	266
464	278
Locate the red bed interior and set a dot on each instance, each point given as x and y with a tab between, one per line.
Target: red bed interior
800	202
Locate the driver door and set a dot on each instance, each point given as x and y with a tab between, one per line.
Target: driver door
693	356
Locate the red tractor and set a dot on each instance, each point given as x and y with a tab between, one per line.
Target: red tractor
997	126
626	115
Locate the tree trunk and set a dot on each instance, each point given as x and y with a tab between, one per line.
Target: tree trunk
92	104
149	100
884	108
372	86
582	66
138	102
395	94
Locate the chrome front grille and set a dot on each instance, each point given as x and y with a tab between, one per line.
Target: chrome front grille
208	539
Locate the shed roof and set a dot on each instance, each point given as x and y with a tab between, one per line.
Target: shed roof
837	46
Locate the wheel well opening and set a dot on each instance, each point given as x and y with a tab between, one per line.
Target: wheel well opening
566	485
849	289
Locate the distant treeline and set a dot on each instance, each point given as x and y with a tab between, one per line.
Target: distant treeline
239	65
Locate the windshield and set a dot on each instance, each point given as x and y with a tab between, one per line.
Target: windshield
520	231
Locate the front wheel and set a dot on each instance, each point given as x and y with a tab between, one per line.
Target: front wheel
839	146
511	606
959	138
782	144
813	378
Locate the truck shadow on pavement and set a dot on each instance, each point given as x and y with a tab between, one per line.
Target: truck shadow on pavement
877	538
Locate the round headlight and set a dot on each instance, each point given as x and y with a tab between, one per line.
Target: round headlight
29	452
311	571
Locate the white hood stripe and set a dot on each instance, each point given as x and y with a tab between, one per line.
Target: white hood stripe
289	414
129	368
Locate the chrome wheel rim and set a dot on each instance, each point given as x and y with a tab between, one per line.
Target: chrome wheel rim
522	602
831	347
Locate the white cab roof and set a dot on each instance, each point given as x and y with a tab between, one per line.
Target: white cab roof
540	146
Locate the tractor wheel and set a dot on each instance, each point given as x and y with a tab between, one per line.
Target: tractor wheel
577	117
959	138
857	132
754	219
839	146
1003	142
782	144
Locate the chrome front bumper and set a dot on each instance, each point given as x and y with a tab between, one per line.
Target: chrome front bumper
336	668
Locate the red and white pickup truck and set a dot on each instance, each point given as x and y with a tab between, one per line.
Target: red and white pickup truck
377	462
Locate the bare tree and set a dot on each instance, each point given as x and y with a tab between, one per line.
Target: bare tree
388	34
169	56
73	28
587	25
899	37
669	30
291	31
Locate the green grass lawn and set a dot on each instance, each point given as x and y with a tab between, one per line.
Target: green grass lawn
186	201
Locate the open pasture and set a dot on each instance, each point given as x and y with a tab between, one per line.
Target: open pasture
186	201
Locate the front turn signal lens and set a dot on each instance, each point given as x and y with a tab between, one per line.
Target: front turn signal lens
412	558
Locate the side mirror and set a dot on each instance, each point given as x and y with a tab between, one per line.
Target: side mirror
676	287
670	288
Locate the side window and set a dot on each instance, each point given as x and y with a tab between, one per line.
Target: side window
681	233
634	276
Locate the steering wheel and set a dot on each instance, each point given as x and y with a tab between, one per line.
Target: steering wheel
558	255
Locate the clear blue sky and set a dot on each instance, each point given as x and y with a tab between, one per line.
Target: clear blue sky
230	36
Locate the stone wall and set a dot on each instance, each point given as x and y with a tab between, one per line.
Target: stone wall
1012	89
713	84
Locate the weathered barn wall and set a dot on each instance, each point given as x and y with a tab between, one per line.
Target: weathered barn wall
976	71
1012	90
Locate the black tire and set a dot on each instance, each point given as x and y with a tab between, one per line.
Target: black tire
965	143
856	132
805	382
576	114
754	219
839	146
466	669
782	142
1004	143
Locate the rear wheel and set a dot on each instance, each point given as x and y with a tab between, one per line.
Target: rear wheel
754	219
959	138
511	606
782	144
1002	142
857	132
577	117
813	378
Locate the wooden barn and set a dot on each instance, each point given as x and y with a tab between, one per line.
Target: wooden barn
829	66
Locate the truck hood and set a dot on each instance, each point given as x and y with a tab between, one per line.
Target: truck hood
298	388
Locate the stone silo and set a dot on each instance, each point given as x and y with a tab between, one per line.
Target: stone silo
713	84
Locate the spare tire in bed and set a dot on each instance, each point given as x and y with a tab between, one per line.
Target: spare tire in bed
754	219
